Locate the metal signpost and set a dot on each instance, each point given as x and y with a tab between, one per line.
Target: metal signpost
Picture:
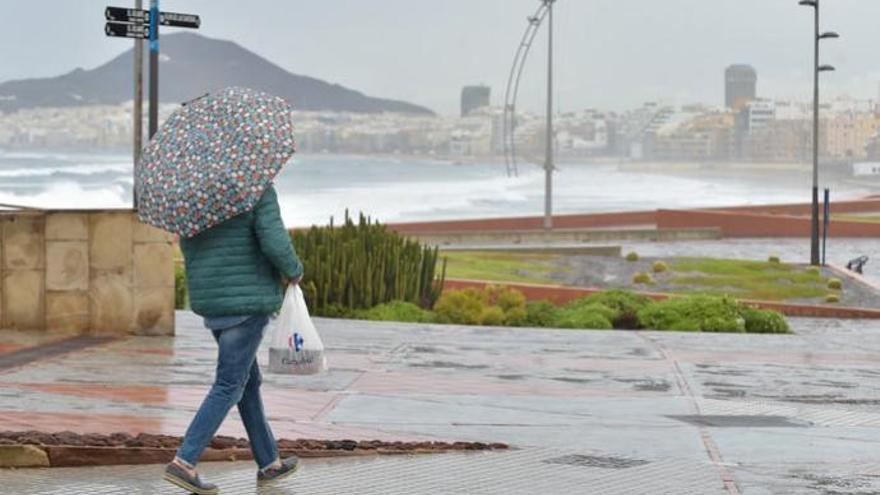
140	24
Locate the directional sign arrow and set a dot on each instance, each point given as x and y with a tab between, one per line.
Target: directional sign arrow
120	14
179	20
127	30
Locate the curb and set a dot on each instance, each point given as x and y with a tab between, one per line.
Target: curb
23	456
52	456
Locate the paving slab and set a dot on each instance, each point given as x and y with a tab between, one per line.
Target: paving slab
586	411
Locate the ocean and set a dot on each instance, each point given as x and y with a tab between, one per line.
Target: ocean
314	188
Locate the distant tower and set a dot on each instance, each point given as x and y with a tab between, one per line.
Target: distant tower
740	86
474	97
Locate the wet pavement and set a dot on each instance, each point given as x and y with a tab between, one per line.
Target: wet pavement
588	412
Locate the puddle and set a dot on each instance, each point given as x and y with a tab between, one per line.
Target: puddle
602	462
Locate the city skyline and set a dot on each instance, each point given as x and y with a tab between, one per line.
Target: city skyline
611	53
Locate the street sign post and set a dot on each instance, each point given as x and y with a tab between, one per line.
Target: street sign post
126	30
140	24
174	19
119	14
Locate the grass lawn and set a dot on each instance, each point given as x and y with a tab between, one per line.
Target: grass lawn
501	266
857	218
747	279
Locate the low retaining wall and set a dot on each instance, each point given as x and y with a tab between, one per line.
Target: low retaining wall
85	272
805	209
583	221
562	295
606	251
491	237
742	224
741	221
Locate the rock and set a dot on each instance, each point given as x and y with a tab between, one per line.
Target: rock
22	456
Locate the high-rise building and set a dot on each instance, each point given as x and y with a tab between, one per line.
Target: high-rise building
740	85
474	97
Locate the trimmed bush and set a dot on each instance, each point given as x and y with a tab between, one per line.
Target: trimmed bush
336	310
494	305
774	259
813	270
397	311
632	256
463	307
504	297
764	321
492	316
627	305
516	317
540	314
694	314
181	292
643	278
585	319
835	284
659	267
832	298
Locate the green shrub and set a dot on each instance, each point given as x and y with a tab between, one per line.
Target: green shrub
181	294
643	278
540	314
492	316
632	256
694	313
832	298
335	310
813	270
659	267
463	307
362	264
774	259
493	305
764	321
516	317
835	284
506	298
627	305
397	311
584	319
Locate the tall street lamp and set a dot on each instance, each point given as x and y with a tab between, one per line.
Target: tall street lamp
549	165
819	36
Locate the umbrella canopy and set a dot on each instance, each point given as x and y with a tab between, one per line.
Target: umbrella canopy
213	159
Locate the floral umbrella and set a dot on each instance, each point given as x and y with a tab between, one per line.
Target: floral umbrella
213	159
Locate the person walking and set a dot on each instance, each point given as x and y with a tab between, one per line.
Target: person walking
234	273
207	176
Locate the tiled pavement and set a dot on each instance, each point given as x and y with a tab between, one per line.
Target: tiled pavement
590	412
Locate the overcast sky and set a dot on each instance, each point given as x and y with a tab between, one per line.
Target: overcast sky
612	53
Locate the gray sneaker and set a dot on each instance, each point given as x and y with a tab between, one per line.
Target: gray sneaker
177	476
288	467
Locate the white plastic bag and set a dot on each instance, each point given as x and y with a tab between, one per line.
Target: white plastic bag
295	348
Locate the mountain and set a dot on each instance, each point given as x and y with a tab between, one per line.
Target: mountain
191	65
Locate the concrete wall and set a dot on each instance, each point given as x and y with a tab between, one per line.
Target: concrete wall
85	272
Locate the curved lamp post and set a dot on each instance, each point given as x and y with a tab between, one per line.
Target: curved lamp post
819	36
545	11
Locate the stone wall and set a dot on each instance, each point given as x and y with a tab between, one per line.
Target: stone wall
85	272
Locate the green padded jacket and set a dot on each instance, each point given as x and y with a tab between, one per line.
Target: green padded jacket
236	268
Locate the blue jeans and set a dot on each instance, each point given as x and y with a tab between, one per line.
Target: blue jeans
237	382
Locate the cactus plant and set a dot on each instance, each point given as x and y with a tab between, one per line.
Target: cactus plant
360	264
